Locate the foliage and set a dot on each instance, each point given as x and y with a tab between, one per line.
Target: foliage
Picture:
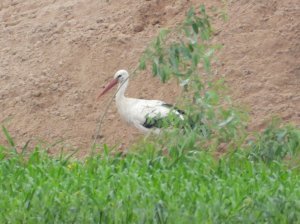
146	187
275	143
186	53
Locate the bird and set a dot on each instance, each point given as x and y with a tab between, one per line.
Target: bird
147	116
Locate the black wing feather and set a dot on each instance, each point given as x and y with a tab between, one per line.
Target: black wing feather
174	108
153	122
159	122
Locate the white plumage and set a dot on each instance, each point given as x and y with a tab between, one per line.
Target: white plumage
137	112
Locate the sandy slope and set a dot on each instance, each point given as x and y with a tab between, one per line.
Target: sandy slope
55	55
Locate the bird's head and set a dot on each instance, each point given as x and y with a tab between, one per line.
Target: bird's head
120	77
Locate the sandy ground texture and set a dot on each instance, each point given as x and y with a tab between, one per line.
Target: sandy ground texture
55	56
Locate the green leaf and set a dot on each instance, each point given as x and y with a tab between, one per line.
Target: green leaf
212	97
205	35
174	57
142	65
195	59
191	12
210	52
202	10
157	43
163	33
161	59
195	28
8	137
191	47
24	148
186	52
154	68
207	64
165	73
174	62
187	31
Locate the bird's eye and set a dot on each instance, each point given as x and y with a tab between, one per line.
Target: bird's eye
119	76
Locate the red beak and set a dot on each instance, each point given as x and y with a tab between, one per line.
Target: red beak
108	87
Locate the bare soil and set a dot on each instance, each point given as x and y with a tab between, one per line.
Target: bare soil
56	55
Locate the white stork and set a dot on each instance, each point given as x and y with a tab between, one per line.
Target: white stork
145	115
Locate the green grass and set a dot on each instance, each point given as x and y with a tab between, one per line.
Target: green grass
147	187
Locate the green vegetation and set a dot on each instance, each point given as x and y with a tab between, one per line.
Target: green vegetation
209	170
186	54
147	187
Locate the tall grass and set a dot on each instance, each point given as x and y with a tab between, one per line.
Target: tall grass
147	187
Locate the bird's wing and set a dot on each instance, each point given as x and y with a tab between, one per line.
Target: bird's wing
149	113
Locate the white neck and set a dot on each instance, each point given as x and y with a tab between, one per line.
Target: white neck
121	91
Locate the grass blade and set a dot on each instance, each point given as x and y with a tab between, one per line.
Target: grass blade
9	138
